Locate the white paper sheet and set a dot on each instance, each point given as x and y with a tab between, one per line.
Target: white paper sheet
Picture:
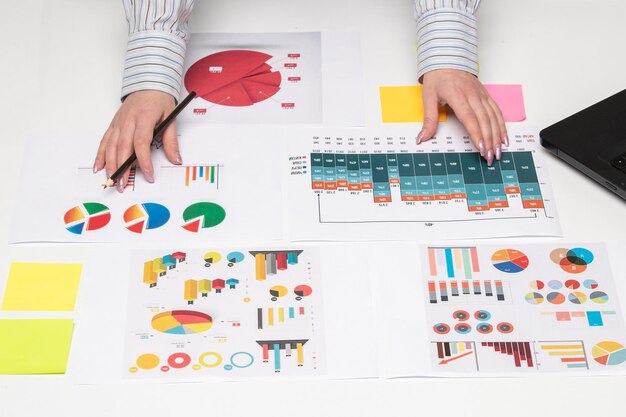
501	310
310	305
228	187
364	184
274	78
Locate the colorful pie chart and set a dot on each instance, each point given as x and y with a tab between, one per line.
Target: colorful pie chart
203	215
86	217
233	78
509	260
609	353
577	297
182	322
534	298
573	260
599	297
555	298
146	216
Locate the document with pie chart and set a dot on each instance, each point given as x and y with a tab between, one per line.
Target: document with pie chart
221	190
273	78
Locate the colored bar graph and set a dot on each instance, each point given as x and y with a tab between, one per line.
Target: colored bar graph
197	173
274	316
277	346
457	262
432	176
569	354
270	262
520	352
469	292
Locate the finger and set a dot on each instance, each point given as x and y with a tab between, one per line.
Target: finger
100	160
124	150
143	141
467	117
111	152
496	136
431	114
170	145
485	126
503	134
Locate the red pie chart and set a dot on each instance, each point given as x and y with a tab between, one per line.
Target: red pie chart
233	78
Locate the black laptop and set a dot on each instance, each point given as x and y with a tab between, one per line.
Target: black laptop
594	141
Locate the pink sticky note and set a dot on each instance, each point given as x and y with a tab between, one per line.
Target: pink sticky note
510	100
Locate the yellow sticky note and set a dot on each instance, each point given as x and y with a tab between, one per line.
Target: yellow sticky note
41	287
35	346
403	104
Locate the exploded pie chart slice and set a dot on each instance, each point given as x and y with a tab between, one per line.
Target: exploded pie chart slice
224	78
182	322
141	217
86	217
609	353
203	215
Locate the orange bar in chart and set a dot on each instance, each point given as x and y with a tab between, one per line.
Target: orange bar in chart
300	353
330	185
532	204
432	262
512	190
474	255
259	259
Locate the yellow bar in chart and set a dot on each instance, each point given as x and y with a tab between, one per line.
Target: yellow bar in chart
191	291
259	259
149	276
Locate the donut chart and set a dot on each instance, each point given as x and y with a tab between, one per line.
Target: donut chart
233	78
510	261
182	322
609	353
146	216
86	217
203	215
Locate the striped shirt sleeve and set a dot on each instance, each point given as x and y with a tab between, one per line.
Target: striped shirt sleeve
158	33
446	35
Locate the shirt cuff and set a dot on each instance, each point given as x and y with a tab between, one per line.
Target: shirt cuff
154	61
447	38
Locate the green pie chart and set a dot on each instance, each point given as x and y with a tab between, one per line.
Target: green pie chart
203	215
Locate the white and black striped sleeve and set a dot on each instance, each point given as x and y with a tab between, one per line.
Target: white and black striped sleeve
446	35
158	33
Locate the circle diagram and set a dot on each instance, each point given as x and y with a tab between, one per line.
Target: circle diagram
509	260
534	298
203	215
302	291
577	297
233	78
182	322
146	216
609	353
86	217
599	297
555	298
573	261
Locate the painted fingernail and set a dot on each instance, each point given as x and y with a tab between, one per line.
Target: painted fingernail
120	185
506	139
420	136
498	152
489	157
148	176
179	158
95	166
481	148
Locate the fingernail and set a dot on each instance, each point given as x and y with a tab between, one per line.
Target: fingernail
489	157
506	139
148	176
481	148
95	166
498	152
420	136
120	185
179	158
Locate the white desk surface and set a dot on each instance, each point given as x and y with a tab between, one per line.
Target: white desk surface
61	71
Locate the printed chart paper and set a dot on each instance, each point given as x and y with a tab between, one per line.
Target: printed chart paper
34	346
229	185
229	314
274	78
351	184
41	287
514	309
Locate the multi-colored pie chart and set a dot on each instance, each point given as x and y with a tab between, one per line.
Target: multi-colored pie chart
86	217
182	322
509	260
577	297
146	216
203	215
599	297
233	78
555	298
534	298
609	353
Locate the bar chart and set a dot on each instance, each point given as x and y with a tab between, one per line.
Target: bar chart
475	292
270	262
278	347
432	176
453	262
